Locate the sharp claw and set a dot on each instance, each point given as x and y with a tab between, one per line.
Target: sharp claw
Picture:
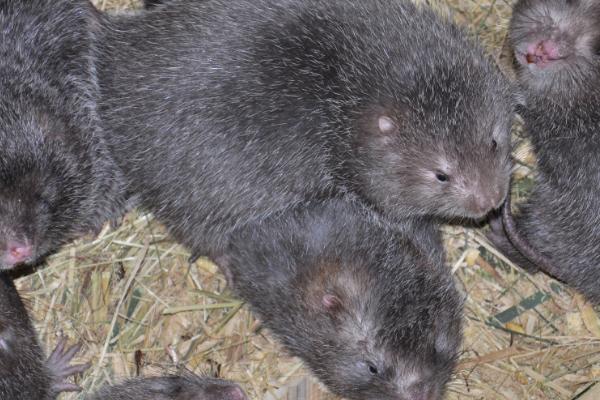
58	350
70	353
73	370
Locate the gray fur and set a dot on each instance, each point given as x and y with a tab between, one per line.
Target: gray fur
57	180
221	113
346	294
149	4
184	387
560	219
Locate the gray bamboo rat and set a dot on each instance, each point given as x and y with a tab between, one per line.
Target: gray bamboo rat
556	45
57	180
25	374
176	387
254	107
369	313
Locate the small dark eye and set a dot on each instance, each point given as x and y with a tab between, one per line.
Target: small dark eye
372	369
442	177
494	145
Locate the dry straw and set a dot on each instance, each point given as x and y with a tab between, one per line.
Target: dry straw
137	305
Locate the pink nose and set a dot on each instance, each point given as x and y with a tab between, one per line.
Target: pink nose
482	203
17	253
234	393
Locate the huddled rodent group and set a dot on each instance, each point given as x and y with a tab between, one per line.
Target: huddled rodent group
312	149
289	105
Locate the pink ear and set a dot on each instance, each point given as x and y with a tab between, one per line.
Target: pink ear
331	302
386	124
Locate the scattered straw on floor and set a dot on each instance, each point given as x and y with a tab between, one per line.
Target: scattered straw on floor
137	305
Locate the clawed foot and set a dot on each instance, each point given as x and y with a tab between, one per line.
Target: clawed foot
59	365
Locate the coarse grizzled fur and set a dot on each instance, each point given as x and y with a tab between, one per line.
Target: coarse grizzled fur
184	387
221	113
57	180
371	315
152	3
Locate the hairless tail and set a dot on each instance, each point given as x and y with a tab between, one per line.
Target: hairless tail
521	243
